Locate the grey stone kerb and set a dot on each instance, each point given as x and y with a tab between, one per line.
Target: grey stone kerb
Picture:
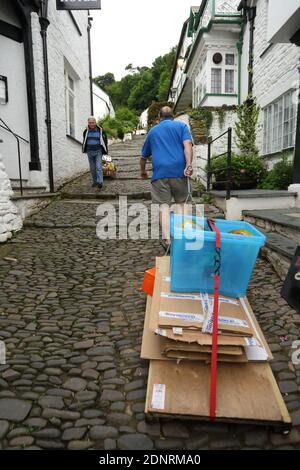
10	220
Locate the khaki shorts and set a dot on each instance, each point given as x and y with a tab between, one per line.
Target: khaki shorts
166	189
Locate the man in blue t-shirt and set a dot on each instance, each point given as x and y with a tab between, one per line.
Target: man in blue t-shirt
170	145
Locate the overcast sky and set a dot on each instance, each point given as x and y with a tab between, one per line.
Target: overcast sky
135	31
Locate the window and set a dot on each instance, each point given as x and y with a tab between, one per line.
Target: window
279	124
216	80
229	59
229	81
70	104
223	77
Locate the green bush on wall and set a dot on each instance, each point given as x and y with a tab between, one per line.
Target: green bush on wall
281	175
247	171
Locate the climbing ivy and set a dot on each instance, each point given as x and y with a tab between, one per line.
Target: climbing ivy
203	114
245	126
221	116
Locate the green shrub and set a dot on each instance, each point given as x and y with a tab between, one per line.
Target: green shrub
247	171
281	175
125	121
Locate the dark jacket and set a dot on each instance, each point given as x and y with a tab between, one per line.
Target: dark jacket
103	140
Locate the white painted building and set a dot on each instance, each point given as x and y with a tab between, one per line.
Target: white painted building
215	69
207	68
102	104
143	119
275	74
23	107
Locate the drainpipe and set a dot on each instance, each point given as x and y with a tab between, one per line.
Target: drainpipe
44	23
251	18
90	19
296	170
240	51
249	12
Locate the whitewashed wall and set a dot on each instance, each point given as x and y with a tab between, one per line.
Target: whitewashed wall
9	218
102	104
274	71
66	49
15	112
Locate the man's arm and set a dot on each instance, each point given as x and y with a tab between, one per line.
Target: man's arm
146	152
144	174
188	152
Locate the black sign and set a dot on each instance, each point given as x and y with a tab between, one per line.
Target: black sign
78	4
291	287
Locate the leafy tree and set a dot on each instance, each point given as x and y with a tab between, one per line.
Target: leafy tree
143	93
142	85
125	121
103	81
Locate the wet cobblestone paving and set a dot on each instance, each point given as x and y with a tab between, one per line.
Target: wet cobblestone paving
71	317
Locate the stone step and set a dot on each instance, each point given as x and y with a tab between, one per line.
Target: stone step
105	196
285	222
279	251
28	190
250	199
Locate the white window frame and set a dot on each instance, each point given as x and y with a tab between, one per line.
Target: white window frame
219	69
223	68
279	126
70	93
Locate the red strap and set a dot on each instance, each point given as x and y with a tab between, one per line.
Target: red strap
214	353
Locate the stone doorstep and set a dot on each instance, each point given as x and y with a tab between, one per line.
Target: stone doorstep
253	193
281	217
280	244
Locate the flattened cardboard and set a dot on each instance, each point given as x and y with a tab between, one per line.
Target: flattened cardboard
205	357
256	349
174	346
246	393
172	304
153	346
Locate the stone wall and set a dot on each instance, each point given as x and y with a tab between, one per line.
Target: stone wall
9	218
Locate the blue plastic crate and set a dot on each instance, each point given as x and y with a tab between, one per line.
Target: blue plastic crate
192	270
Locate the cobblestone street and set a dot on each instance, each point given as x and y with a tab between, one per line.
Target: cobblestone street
71	316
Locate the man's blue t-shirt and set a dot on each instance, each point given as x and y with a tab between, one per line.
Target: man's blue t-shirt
165	143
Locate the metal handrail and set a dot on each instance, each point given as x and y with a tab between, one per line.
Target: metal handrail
22	138
228	167
17	137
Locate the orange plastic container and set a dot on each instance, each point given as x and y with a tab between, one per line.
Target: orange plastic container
148	282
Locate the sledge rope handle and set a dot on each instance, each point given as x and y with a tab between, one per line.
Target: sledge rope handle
214	353
190	194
